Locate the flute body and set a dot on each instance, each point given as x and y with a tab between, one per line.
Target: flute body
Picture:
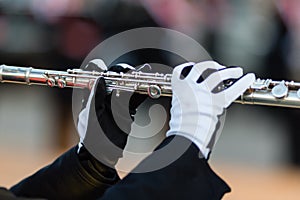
262	92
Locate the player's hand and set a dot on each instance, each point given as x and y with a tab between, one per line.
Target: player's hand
197	105
105	121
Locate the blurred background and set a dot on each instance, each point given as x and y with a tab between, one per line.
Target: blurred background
258	153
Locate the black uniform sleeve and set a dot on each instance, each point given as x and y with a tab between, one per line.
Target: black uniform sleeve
189	177
8	195
71	176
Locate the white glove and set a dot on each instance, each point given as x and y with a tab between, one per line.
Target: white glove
83	117
105	120
196	108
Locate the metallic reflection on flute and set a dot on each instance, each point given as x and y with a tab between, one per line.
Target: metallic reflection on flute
262	92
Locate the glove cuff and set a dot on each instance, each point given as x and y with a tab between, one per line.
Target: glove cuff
205	151
93	166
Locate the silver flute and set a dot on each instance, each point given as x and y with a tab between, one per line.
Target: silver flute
261	92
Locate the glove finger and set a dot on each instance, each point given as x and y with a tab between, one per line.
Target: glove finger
177	72
84	115
97	65
218	77
122	67
99	89
93	65
135	99
238	88
201	67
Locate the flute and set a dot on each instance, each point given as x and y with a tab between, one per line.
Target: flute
262	92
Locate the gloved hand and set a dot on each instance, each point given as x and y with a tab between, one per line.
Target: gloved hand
81	173
105	121
197	106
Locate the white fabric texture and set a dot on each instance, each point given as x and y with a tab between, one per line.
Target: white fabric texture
195	108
